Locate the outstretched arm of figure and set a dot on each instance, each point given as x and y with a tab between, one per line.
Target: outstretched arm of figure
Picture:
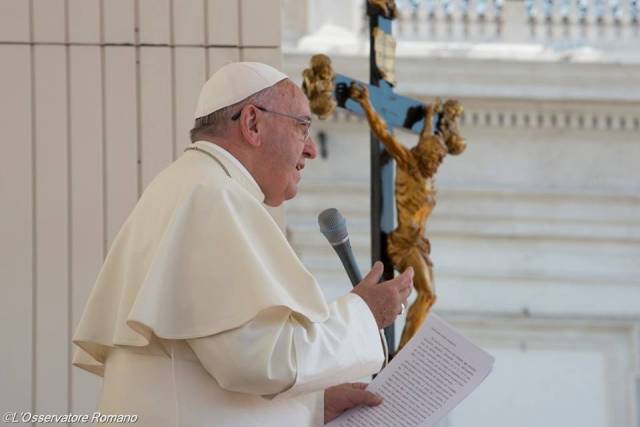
378	126
428	119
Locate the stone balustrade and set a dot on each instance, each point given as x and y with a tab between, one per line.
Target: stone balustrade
477	20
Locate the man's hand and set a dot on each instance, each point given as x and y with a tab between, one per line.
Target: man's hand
385	299
339	398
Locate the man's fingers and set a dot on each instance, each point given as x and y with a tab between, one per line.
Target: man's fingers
364	397
371	399
376	272
359	386
360	396
404	293
404	281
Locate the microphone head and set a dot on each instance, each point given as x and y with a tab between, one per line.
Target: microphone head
333	226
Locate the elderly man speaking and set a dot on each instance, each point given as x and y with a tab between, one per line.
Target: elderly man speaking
202	314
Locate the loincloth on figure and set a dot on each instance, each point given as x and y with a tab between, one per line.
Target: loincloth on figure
401	245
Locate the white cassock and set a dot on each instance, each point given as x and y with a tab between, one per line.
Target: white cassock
203	315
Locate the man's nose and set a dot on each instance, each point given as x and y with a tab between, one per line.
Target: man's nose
310	149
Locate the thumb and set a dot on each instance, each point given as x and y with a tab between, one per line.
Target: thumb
369	399
375	274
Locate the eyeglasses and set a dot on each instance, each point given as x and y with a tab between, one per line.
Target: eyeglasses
300	120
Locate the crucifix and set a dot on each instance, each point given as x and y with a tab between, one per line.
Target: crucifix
404	245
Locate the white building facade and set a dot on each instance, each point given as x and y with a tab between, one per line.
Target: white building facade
536	232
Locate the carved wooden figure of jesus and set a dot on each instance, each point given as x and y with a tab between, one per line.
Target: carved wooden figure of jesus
415	195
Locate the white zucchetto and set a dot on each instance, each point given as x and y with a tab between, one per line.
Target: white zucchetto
234	82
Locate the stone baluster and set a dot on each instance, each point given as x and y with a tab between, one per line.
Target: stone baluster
633	11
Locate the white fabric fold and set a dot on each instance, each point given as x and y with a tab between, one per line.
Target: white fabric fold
281	351
200	260
344	348
198	255
257	358
179	392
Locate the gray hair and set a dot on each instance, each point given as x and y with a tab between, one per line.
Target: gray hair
215	124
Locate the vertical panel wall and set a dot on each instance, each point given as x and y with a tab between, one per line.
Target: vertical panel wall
97	97
52	229
16	229
87	196
189	75
156	111
121	131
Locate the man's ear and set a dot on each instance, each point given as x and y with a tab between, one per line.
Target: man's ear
249	125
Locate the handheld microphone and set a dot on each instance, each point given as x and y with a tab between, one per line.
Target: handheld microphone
334	227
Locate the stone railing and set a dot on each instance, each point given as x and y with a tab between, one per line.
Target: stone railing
497	20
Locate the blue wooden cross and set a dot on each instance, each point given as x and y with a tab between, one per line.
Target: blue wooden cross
398	111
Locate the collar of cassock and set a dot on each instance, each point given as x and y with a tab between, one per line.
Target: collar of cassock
236	169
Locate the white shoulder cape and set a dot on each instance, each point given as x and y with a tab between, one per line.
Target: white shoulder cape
198	255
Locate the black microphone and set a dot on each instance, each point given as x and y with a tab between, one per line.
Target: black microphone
334	227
